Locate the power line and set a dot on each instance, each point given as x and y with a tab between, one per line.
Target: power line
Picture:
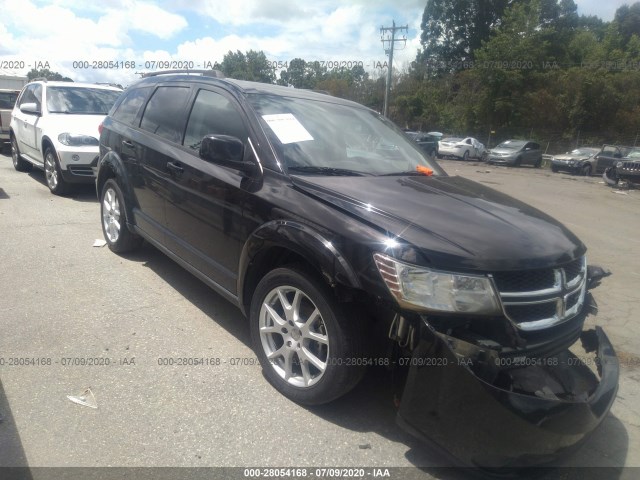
388	43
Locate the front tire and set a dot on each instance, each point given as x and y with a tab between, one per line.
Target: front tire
465	155
114	225
308	344
586	170
53	174
18	163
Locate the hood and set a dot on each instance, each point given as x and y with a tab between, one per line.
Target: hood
503	151
454	223
58	123
568	156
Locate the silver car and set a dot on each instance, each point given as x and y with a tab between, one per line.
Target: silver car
515	153
579	161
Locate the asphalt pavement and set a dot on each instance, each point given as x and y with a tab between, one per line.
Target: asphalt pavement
169	365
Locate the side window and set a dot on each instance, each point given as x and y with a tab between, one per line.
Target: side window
213	113
468	141
32	94
130	105
163	114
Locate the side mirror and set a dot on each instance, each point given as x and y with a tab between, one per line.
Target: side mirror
30	109
225	150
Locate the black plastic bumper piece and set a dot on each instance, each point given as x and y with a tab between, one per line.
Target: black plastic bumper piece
542	413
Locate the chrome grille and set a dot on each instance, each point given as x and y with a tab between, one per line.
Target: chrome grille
538	299
631	167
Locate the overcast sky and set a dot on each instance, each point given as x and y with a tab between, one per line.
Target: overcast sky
60	32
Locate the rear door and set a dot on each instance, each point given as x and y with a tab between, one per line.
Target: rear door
205	224
530	153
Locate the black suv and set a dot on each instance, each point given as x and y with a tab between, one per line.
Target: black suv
347	247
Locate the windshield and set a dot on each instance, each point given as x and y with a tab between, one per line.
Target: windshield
315	137
634	154
80	100
511	144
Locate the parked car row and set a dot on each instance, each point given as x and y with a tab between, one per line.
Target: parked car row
54	127
346	245
613	162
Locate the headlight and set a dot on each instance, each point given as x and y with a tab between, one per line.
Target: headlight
619	164
415	286
75	140
572	162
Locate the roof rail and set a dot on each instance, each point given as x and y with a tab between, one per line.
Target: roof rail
204	73
39	79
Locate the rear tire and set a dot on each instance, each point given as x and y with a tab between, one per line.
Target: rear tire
18	163
308	344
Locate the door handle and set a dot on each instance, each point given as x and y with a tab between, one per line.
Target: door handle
175	167
127	143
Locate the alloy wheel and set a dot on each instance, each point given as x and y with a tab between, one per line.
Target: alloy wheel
50	170
111	215
294	336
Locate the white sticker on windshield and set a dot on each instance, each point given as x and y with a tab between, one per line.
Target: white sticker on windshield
287	128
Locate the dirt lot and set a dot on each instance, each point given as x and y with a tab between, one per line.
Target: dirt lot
63	298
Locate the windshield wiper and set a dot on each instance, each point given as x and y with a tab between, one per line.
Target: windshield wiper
337	172
425	172
402	174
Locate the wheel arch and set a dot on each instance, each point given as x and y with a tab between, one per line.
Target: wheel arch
282	242
47	142
111	166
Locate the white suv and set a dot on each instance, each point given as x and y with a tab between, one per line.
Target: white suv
54	126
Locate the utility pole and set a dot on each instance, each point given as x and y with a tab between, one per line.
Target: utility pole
388	43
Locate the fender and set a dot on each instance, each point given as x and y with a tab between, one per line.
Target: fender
111	165
304	241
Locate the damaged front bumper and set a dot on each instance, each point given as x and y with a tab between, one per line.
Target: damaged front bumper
490	412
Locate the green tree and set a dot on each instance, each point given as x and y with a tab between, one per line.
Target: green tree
627	19
302	74
453	29
48	74
252	66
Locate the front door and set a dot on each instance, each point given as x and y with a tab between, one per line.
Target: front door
205	224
